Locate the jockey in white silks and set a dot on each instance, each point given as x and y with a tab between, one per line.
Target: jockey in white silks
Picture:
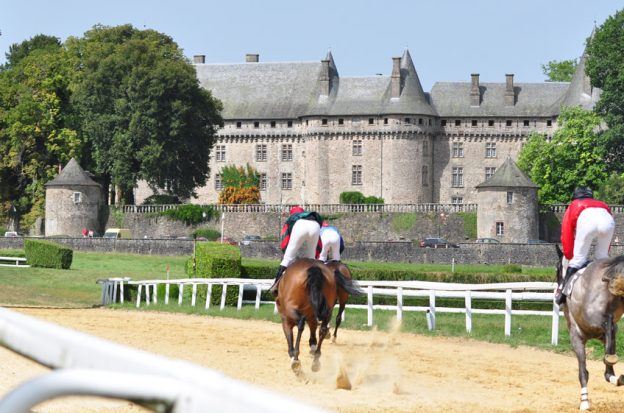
586	220
332	243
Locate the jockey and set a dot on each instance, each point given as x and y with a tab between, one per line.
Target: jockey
585	220
332	243
299	236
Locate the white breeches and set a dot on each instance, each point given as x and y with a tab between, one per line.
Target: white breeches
593	224
331	246
303	240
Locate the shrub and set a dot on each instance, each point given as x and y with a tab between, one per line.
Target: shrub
373	200
215	260
208	233
162	199
352	197
191	214
47	254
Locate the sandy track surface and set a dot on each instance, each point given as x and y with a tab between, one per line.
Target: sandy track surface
390	372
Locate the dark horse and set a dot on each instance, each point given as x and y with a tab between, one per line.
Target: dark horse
346	286
593	309
306	293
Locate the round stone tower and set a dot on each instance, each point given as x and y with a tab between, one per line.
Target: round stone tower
507	207
73	202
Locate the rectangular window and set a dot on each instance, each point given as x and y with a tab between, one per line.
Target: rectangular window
429	122
500	229
287	152
420	121
239	125
286	180
490	149
385	121
489	171
324	121
272	123
340	121
508	123
218	183
371	121
458	149
491	123
356	175
457	177
457	200
474	123
525	123
261	152
457	122
263	181
77	197
220	153
425	175
509	198
549	123
443	122
256	125
408	120
357	148
290	123
425	146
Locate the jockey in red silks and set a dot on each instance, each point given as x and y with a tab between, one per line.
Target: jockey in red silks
585	220
299	237
331	242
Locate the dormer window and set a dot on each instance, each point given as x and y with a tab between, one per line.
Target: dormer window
371	121
272	123
256	125
474	123
457	122
408	120
420	121
239	125
340	121
324	121
290	124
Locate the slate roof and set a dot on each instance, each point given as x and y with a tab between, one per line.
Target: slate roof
508	175
580	92
72	175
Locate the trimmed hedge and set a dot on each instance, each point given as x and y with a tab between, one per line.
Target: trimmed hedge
48	254
215	260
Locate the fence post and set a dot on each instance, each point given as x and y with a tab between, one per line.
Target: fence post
399	303
370	306
115	291
508	313
432	303
469	311
258	295
104	292
121	292
147	294
194	295
180	292
208	296
155	296
554	337
167	293
223	294
239	304
138	303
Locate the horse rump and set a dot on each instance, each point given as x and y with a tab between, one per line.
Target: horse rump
347	284
614	275
314	286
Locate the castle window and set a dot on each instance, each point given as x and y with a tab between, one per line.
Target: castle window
429	122
457	122
425	146
508	123
272	123
458	149
457	200
385	121
490	149
340	121
286	180
371	121
307	122
425	175
324	121
500	229
549	123
443	122
263	181
287	152
356	175
408	120
77	197
357	148
218	182
509	198
239	125
489	171
457	177
420	121
261	152
525	123
220	153
474	123
290	123
491	123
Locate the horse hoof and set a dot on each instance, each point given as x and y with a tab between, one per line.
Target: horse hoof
295	365
584	405
316	365
313	349
610	359
334	340
328	335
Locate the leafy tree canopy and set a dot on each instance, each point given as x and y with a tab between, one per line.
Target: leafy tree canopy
570	159
18	51
559	70
240	185
612	189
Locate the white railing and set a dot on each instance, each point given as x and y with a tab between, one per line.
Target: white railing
9	262
320	208
147	290
618	209
97	367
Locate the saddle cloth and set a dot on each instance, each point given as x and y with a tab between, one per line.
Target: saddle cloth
570	285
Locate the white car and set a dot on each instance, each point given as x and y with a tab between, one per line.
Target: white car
11	234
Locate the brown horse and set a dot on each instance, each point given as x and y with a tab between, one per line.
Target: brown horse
306	293
346	286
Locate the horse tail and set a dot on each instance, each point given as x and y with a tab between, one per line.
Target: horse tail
314	285
614	274
346	284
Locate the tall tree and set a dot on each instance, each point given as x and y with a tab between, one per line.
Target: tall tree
559	70
141	111
570	159
240	185
18	51
605	68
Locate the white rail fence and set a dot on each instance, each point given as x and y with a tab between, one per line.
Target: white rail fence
13	262
147	292
90	366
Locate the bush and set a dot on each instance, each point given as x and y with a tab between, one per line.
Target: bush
191	214
47	254
208	233
161	200
352	197
373	200
215	260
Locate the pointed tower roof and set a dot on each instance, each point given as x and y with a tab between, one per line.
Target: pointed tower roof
72	175
413	99
508	176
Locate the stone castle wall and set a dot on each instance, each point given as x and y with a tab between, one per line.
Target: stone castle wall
65	217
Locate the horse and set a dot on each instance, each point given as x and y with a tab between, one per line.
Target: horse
306	293
346	286
592	310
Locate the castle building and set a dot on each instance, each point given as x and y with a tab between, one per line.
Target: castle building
313	134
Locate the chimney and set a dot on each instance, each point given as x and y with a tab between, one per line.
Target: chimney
396	77
199	58
475	93
252	58
510	95
324	78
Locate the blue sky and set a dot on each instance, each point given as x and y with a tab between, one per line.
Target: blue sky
448	39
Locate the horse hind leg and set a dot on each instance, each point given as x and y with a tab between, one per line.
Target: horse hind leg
295	364
313	324
316	364
611	358
338	321
578	344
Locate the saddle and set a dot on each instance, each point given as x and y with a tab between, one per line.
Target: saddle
569	284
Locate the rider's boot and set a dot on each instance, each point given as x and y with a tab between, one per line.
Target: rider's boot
560	297
278	275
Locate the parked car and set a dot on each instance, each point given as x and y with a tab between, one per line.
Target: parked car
118	233
248	239
11	234
437	243
537	241
487	241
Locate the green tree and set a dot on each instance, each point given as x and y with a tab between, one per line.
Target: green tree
612	189
240	185
19	51
140	110
559	70
572	158
605	68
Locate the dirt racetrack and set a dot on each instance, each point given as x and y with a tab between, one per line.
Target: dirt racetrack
390	372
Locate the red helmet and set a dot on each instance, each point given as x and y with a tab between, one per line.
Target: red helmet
296	210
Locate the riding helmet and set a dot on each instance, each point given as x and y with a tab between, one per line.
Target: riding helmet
582	192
